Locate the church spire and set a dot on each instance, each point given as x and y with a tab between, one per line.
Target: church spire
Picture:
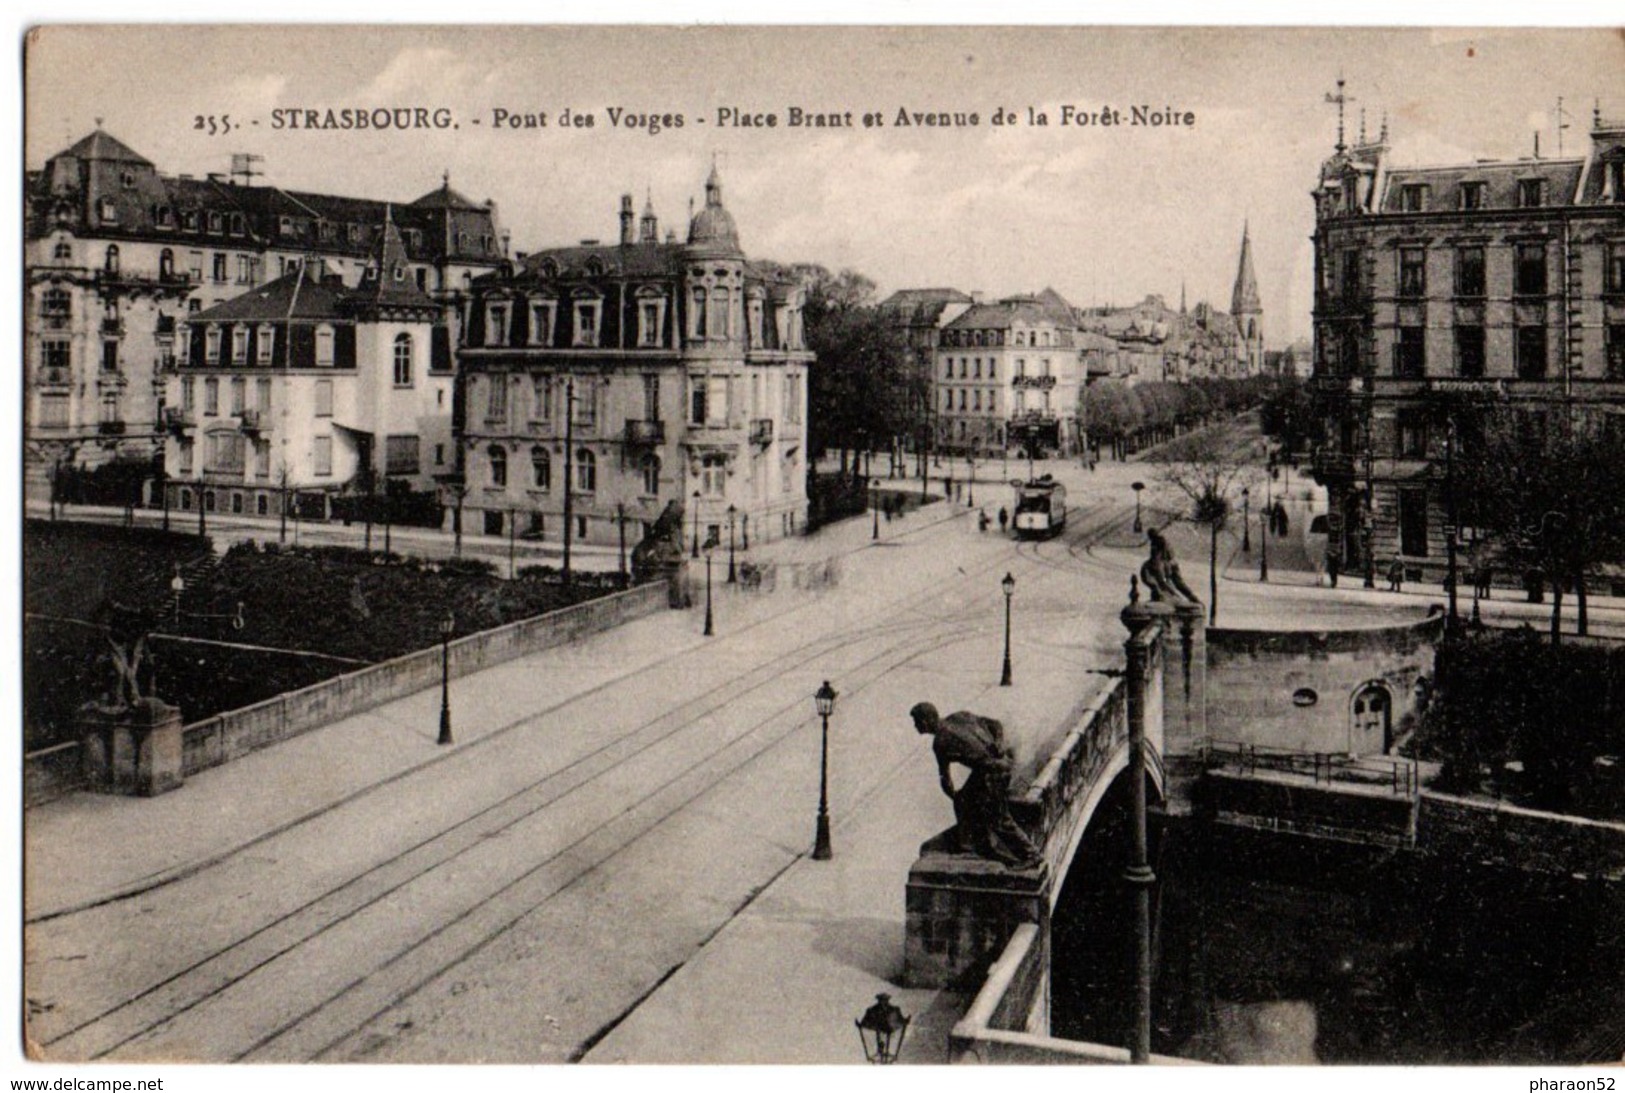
1244	299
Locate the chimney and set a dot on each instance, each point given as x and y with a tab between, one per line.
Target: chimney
976	296
627	219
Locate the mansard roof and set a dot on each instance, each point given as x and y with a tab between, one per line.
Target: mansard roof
1500	179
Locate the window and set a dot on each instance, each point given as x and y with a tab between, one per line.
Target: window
264	343
496	324
211	397
110	263
324	398
1531	193
189	220
215	222
186	457
1470	272
976	403
239	344
56	354
108	211
109	356
1472	195
1531	352
220	264
1470	352
586	471
496	399
238	224
188	394
541	323
586	316
696	326
63	250
649	318
1410	355
649	473
977	371
586	404
403	360
194	266
323	455
1413	434
1615	274
1413	523
245	269
401	454
499	464
1412	272
651	398
541	468
53	409
947	400
262	395
1413	199
992	369
440	455
1614	181
1529	271
1351	274
239	394
1614	350
324	347
713	475
110	411
717	326
541	398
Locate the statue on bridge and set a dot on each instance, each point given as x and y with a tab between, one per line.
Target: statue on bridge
659	556
981	805
1160	573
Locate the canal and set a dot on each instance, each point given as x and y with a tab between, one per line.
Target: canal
1275	948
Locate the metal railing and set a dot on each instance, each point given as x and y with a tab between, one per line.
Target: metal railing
1397	774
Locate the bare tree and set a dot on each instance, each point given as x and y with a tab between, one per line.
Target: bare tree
1209	472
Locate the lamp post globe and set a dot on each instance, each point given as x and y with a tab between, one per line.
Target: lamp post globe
710	629
695	552
1246	521
824	703
1137	487
733	514
882	1029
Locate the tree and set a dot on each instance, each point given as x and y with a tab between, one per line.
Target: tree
1112	411
1208	476
1549	488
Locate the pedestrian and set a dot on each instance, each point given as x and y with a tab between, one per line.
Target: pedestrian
1332	566
1280	515
984	825
1004	519
1396	576
982	521
1483	579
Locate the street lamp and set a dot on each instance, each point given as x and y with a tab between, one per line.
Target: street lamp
1246	521
874	507
1137	487
824	701
447	625
696	551
877	1028
732	575
1264	535
1009	586
709	628
970	482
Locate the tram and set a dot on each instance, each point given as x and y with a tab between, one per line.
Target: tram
1040	507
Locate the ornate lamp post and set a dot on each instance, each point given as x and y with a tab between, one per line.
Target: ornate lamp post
1137	487
874	506
882	1028
970	483
695	553
1264	535
824	701
1009	586
709	628
733	577
1246	521
447	625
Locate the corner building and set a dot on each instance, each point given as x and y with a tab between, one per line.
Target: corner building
601	382
1493	282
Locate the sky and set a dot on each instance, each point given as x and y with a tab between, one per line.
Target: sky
1103	213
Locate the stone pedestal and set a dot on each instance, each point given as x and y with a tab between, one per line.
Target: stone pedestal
134	750
961	910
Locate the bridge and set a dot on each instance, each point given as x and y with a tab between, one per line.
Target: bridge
1146	736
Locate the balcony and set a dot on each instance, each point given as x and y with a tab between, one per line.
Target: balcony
249	420
110	428
177	420
761	430
646	432
112	328
55	377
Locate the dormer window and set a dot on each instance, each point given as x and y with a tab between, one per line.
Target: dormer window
1413	198
586	322
211	347
264	343
239	226
1531	193
651	320
541	322
1351	195
496	324
549	268
1613	188
400	271
1472	196
163	216
284	225
189	220
216	222
595	267
108	211
353	233
127	180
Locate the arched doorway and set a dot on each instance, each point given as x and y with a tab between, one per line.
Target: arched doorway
1371	720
